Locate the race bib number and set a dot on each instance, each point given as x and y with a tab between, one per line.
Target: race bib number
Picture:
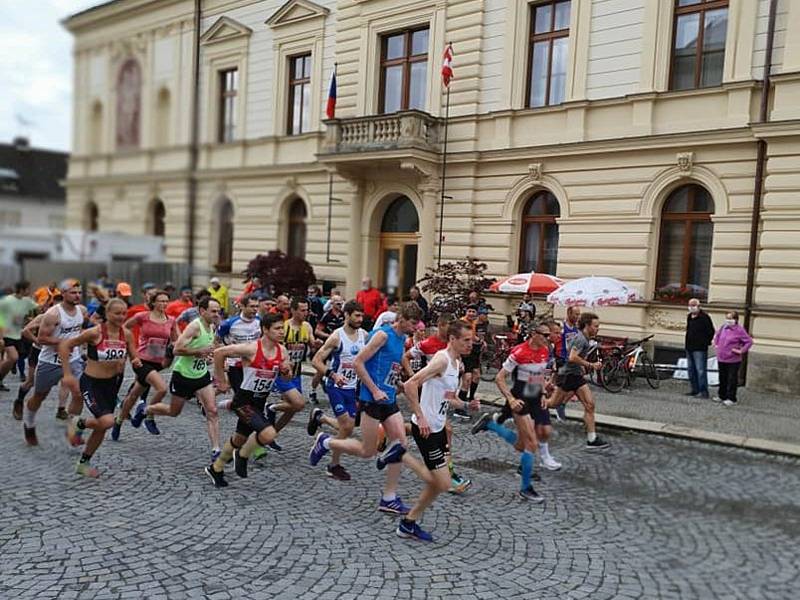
198	364
259	381
115	351
393	376
448	397
347	370
156	347
296	352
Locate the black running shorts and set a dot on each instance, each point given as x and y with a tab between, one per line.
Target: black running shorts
433	448
100	395
571	383
380	411
145	370
184	387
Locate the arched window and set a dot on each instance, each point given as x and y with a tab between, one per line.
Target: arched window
400	217
684	256
129	92
296	241
162	137
91	217
96	129
538	248
224	262
158	214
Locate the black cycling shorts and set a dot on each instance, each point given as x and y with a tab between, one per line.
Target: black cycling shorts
250	411
100	395
380	411
145	370
185	387
571	383
533	407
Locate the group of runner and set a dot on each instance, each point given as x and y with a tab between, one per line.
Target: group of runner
261	350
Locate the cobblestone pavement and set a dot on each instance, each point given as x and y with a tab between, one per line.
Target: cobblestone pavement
650	518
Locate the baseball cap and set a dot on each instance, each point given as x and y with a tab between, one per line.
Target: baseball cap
68	284
214	280
148	286
124	289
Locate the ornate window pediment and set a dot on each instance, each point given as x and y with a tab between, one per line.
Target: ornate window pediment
295	11
223	30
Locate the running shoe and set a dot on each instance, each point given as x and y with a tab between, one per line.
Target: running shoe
138	414
17	410
411	530
61	414
215	454
393	454
337	472
314	420
115	430
598	444
394	507
73	434
270	414
459	485
561	412
30	435
716	399
275	446
460	413
87	470
314	400
318	450
218	478
150	425
531	495
481	423
259	453
239	464
730	402
550	463
4	387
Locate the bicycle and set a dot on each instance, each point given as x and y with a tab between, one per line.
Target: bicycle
622	365
495	355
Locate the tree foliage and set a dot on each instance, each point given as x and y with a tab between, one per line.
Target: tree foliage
451	282
282	274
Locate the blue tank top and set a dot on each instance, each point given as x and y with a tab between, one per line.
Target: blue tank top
567	335
384	368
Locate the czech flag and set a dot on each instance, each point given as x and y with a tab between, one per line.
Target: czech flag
330	109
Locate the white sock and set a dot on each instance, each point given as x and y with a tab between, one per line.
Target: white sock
389	497
28	417
326	443
544	447
591	436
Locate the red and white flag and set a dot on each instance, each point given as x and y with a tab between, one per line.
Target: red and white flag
447	65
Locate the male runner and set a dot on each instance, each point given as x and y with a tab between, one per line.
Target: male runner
240	329
330	322
569	330
13	310
472	374
262	361
190	377
343	345
379	366
439	382
571	380
62	321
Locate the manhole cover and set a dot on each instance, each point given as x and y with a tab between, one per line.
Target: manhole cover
487	465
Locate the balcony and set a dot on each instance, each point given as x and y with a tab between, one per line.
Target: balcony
409	130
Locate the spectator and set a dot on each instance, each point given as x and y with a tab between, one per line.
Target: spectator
184	301
699	334
415	295
370	298
334	293
169	288
220	293
282	305
731	342
315	306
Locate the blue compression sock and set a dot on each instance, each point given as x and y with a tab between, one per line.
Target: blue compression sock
526	462
503	432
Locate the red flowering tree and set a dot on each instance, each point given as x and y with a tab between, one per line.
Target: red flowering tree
282	274
451	282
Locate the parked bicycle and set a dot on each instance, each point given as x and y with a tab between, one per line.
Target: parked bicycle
495	354
622	365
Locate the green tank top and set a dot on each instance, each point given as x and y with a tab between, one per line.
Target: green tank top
195	367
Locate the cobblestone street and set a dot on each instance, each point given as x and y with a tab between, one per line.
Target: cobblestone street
650	518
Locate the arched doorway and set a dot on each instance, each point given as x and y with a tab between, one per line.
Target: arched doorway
399	227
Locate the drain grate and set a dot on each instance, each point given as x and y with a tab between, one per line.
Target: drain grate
487	465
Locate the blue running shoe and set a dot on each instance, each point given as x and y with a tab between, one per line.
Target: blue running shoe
393	454
115	430
394	507
410	529
319	450
138	415
150	425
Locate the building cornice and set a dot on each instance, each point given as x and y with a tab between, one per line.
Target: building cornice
113	10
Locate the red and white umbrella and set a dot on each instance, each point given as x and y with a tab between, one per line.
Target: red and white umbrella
594	291
527	283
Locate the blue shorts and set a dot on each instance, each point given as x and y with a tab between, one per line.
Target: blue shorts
284	385
342	401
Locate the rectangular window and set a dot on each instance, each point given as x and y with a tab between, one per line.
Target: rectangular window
299	94
698	45
228	89
404	67
547	53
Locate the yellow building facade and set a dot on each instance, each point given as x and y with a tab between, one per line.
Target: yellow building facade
605	137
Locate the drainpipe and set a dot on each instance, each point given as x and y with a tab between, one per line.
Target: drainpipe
191	213
761	161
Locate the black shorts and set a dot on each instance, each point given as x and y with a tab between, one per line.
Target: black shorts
380	411
250	411
12	343
185	387
471	361
100	395
433	448
533	407
571	383
145	370
33	357
235	377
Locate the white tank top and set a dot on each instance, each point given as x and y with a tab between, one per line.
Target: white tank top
69	326
437	393
344	357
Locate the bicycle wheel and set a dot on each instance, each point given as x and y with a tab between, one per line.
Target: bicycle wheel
612	376
649	371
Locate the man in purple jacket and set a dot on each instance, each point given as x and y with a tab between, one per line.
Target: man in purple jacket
731	342
699	333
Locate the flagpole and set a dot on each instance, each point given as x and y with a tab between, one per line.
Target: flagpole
330	189
444	173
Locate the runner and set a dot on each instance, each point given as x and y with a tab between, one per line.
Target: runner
343	345
571	380
190	376
240	329
62	321
262	361
439	383
378	367
528	365
13	310
29	332
388	316
184	301
569	330
107	347
156	332
472	362
330	322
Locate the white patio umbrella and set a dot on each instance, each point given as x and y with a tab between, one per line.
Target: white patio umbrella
594	291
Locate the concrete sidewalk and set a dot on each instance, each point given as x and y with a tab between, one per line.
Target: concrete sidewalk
760	421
